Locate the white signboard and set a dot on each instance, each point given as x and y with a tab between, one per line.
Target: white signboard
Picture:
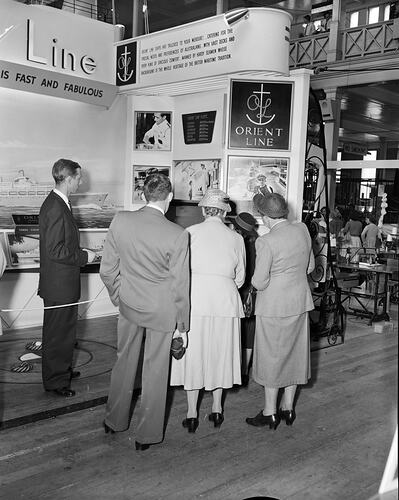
20	77
54	40
259	41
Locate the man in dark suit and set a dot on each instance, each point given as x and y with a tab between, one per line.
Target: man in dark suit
145	267
59	282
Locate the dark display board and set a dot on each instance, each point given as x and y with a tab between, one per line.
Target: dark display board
198	127
26	219
260	115
26	224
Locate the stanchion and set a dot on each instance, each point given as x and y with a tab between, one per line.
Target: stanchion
261	498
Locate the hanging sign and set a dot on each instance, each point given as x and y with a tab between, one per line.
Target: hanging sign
259	41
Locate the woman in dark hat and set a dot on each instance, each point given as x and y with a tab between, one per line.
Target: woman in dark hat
281	358
245	224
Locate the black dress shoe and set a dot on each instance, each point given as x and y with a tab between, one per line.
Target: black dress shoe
191	424
108	429
141	446
65	392
75	374
288	415
261	420
244	380
216	418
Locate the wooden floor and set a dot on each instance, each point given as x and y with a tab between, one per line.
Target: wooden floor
336	449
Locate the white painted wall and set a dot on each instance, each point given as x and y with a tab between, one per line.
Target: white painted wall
36	130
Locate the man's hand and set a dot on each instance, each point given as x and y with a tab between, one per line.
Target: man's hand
90	255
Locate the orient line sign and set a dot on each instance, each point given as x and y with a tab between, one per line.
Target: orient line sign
260	115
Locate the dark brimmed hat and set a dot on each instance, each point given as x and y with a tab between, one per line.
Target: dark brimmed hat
245	222
273	205
215	198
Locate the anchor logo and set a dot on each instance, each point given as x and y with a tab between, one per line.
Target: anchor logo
260	100
126	62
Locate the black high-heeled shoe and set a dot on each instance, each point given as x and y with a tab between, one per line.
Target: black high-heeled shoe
108	429
141	446
191	424
216	418
288	415
261	420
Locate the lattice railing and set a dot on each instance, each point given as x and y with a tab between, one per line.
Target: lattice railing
368	40
359	42
308	51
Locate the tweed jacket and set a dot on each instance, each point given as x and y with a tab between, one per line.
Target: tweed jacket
283	260
60	254
145	266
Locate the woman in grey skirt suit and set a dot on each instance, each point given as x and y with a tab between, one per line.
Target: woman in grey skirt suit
282	348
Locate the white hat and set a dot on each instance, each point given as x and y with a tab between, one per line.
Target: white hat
215	198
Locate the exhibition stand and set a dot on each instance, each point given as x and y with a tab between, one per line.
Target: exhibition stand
210	103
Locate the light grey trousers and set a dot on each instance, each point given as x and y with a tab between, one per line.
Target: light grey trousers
151	413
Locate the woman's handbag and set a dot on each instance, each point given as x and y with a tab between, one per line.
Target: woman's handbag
177	347
249	302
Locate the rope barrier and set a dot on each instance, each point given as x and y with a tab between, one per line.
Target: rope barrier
53	307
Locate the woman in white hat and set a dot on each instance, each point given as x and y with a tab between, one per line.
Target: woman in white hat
212	359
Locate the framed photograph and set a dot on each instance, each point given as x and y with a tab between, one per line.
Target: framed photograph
5	247
140	173
93	239
260	115
153	130
191	178
23	249
247	176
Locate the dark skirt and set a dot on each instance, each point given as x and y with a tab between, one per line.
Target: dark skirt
247	332
282	351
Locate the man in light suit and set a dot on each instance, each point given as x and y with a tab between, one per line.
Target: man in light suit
59	281
145	267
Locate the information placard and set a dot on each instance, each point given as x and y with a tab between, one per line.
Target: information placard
198	127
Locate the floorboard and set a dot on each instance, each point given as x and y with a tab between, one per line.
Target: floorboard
336	449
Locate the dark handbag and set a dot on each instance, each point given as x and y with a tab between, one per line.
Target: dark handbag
177	348
249	302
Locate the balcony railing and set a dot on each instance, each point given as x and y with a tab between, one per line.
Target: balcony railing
362	41
368	40
309	51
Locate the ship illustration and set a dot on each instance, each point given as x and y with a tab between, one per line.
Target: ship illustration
23	191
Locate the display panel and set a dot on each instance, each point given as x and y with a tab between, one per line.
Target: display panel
247	176
153	130
22	250
93	239
139	175
5	247
191	178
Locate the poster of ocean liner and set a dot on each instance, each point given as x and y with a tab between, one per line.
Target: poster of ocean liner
22	193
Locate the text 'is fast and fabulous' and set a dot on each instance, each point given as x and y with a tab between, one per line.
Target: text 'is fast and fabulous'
51	83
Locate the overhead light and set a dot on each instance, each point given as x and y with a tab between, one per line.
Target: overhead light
234	16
